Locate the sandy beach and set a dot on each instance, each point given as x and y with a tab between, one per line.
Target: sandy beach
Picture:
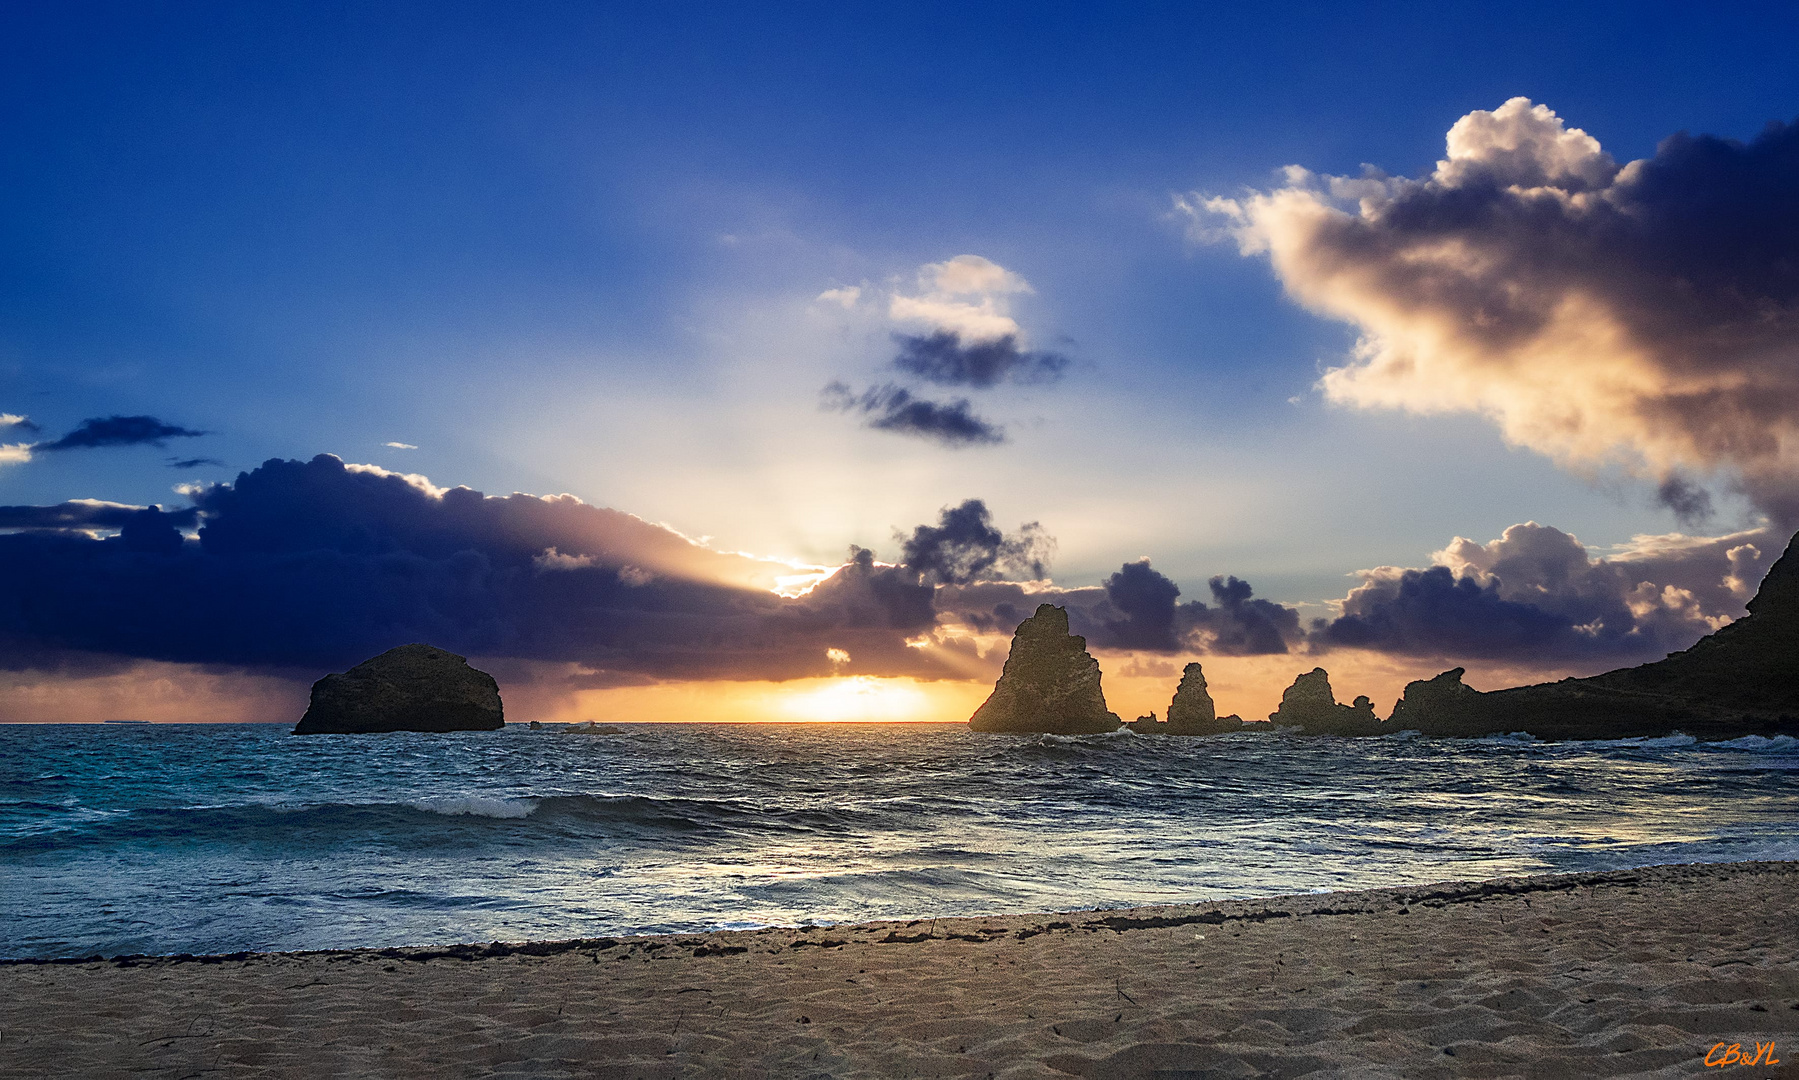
1630	973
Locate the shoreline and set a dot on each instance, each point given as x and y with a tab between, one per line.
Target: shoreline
1628	972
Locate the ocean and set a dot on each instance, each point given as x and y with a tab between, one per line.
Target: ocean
215	838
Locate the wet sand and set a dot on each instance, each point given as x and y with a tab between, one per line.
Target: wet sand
1631	973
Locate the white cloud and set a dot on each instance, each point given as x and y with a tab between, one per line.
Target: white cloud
400	445
965	296
845	297
15	453
1645	315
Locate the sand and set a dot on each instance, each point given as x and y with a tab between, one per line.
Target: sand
1631	973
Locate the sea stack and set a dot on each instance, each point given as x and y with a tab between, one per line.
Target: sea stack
1192	712
1741	680
1050	683
411	688
1311	705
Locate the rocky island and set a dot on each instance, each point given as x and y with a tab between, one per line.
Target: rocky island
411	688
1741	680
1050	683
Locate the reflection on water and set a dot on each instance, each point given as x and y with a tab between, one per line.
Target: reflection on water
208	838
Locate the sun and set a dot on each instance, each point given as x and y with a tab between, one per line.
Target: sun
858	698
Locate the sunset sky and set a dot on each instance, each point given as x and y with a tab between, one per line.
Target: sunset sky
826	341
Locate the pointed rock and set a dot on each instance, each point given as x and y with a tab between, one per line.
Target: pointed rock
1192	711
1050	683
1311	705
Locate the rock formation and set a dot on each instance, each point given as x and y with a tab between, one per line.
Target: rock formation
1050	683
411	688
1311	705
1148	725
1741	680
1192	712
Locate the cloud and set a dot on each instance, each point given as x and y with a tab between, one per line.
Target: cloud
400	445
1239	624
845	297
964	547
1537	594
1144	600
1644	315
965	296
1691	504
953	424
195	463
14	420
119	431
87	514
1135	609
316	565
14	453
944	359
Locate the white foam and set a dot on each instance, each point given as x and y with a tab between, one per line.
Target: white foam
476	806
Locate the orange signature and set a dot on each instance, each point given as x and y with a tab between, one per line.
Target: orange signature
1734	1054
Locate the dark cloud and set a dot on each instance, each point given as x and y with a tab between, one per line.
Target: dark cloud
1144	601
894	408
1645	313
119	431
1536	594
84	514
1691	504
945	359
1137	608
195	463
316	565
964	546
1239	624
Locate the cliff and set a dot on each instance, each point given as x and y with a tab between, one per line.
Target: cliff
1741	680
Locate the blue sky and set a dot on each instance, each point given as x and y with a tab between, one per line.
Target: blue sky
580	248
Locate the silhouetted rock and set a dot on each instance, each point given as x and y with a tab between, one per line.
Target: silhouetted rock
1050	683
1311	705
1192	712
1741	680
1148	725
411	688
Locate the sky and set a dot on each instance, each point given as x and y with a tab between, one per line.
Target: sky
799	351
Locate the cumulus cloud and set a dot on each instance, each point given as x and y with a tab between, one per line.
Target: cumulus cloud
964	546
953	424
1538	594
965	296
1645	315
1238	624
14	453
119	431
317	565
1138	609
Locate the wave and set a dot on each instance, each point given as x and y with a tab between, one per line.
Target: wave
476	806
438	820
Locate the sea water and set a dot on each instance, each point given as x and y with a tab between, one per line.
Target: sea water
215	838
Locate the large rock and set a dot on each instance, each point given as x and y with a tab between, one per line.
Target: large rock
1050	683
1192	711
1741	680
411	688
1311	705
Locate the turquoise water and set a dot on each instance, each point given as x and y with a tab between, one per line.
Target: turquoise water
214	838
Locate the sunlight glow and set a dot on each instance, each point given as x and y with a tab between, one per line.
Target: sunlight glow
859	698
